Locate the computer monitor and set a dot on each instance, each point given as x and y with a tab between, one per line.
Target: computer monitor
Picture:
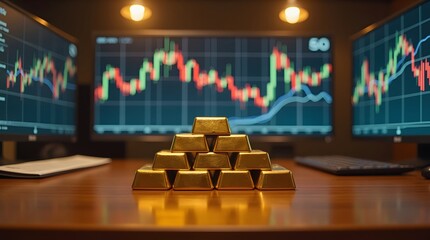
391	80
38	78
154	83
391	77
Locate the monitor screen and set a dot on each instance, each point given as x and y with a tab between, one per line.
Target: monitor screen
391	77
157	82
38	78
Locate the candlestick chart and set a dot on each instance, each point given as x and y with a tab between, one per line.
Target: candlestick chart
40	72
37	77
275	85
392	77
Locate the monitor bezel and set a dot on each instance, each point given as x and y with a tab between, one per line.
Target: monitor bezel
363	32
208	33
44	137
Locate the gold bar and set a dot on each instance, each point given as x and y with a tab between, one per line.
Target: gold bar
167	160
192	180
234	180
212	161
232	143
149	179
186	142
211	126
279	178
255	160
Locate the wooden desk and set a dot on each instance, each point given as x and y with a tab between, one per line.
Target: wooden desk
99	203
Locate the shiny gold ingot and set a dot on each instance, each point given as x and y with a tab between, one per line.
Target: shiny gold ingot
232	143
186	142
234	180
279	178
149	179
167	160
192	180
255	160
212	161
211	126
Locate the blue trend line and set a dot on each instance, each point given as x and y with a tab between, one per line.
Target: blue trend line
420	42
47	82
278	105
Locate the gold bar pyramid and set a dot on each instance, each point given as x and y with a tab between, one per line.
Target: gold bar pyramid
211	157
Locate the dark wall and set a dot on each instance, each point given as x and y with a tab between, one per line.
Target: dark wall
337	18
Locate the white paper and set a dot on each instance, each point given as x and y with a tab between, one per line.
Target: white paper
53	166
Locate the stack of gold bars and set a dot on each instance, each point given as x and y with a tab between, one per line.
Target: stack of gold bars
211	157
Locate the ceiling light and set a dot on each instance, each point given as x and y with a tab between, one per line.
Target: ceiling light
136	12
293	13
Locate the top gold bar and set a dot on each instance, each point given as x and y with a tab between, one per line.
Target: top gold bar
211	126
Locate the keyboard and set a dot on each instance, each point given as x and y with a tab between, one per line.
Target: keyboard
343	165
50	167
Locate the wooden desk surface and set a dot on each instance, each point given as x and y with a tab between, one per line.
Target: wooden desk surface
99	203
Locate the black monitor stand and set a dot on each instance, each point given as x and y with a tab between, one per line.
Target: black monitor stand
423	152
423	157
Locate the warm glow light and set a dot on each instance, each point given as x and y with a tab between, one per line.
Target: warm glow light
137	12
41	21
292	14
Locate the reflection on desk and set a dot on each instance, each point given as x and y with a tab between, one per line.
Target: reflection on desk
175	208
